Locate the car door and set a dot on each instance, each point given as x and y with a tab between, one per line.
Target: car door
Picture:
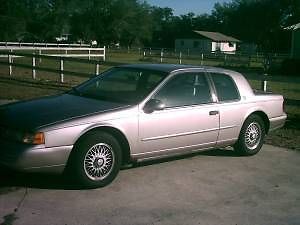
189	119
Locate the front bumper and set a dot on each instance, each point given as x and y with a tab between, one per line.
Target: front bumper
32	158
277	122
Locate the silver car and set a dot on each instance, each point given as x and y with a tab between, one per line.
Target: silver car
134	113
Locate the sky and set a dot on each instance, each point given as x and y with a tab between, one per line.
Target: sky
185	6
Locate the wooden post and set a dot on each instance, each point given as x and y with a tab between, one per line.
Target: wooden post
89	54
161	55
202	58
249	62
61	70
104	53
180	55
10	66
97	69
12	57
33	67
264	82
40	52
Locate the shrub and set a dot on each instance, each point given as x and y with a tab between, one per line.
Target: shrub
291	67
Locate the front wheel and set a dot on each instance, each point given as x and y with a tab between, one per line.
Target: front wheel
97	160
251	136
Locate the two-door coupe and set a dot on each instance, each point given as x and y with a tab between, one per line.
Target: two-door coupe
133	113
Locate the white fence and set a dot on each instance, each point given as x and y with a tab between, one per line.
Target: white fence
65	50
36	44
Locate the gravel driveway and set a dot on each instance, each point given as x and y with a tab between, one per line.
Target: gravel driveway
208	188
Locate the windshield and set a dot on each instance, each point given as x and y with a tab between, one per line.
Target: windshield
124	85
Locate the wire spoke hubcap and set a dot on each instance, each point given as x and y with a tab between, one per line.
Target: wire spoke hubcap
98	161
253	135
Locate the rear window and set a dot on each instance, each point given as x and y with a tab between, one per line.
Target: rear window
225	87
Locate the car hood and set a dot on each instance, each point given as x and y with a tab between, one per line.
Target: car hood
33	114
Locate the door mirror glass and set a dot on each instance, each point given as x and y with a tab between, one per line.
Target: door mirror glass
153	105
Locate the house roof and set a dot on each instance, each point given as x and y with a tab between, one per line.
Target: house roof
293	27
216	36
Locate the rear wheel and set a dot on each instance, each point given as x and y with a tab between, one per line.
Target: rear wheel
97	160
251	136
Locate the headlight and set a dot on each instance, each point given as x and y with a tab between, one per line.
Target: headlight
35	138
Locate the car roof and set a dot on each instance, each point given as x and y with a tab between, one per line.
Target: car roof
168	68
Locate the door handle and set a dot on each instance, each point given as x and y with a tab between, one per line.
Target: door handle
212	113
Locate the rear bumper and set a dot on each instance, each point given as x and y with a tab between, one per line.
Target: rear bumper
277	122
34	158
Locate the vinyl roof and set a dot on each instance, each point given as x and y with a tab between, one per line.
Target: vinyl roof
216	36
168	68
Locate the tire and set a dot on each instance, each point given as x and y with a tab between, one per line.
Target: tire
251	137
96	161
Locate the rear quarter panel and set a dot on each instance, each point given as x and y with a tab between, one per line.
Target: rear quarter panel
234	114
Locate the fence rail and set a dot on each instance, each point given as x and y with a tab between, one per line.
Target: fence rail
61	71
66	50
37	44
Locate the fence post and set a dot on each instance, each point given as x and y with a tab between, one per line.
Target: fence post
161	55
89	54
10	61
61	70
33	67
264	82
225	59
40	52
249	62
144	54
12	58
97	69
180	55
104	53
202	58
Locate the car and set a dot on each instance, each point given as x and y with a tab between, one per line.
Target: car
132	113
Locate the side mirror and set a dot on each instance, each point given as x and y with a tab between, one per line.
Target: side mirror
153	105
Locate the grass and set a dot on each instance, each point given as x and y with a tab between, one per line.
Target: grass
21	86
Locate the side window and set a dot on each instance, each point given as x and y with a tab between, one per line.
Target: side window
225	87
185	89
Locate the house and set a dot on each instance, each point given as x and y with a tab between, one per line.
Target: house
295	45
204	41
